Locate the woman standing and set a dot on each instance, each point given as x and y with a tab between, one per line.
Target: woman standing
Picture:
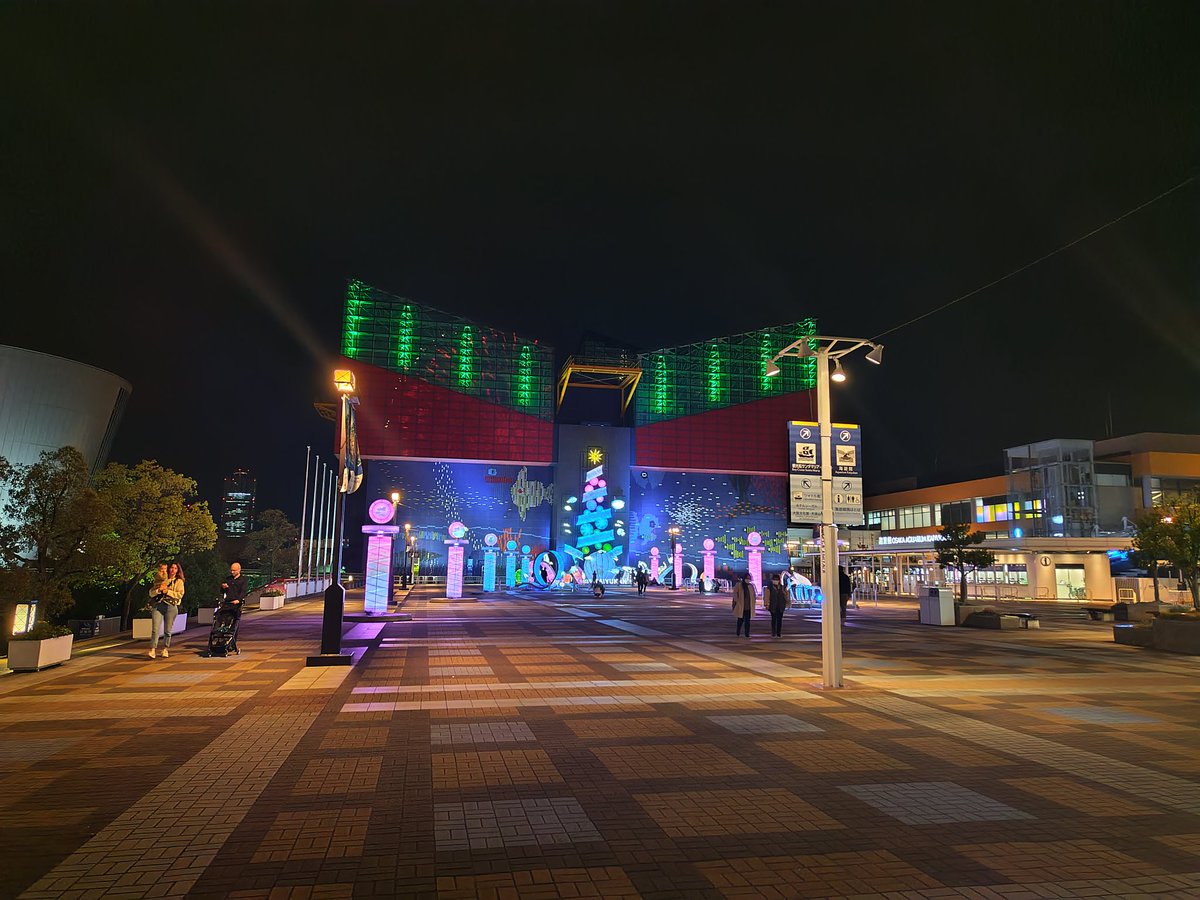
745	598
165	607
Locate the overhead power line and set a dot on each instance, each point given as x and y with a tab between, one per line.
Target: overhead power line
1040	259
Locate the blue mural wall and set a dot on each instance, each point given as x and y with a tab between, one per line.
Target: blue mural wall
725	508
514	502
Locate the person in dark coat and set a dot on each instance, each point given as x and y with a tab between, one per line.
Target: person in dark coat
745	598
776	602
845	589
235	588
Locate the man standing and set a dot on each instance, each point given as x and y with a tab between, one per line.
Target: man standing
235	588
776	602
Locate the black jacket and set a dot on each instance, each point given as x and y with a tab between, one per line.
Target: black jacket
237	590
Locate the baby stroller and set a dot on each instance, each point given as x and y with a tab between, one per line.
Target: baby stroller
223	638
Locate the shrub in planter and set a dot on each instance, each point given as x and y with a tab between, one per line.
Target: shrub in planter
273	592
42	646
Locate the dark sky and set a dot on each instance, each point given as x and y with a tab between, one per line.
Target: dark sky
184	189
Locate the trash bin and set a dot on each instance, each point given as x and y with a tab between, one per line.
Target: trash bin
937	607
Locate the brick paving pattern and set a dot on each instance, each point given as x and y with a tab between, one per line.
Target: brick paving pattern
552	747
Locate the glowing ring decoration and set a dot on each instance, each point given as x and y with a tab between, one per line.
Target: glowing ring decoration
708	544
654	551
511	546
457	530
381	511
525	549
690	567
754	538
490	539
559	559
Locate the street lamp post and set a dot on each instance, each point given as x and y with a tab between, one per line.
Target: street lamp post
825	348
335	594
404	576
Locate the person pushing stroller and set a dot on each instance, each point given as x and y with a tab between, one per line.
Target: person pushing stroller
229	616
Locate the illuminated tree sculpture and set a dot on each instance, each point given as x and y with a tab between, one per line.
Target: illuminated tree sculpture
594	549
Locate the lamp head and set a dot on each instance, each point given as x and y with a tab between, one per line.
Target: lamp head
805	351
343	380
772	369
395	496
876	354
839	374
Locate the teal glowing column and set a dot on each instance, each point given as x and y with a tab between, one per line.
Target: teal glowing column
489	562
510	564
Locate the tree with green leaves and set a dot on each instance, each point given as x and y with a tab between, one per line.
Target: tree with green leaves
1182	528
53	527
274	542
957	547
1152	542
156	519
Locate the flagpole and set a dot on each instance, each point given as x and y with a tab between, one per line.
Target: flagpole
324	520
312	519
303	513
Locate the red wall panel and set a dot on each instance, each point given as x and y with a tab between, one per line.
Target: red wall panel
749	437
403	416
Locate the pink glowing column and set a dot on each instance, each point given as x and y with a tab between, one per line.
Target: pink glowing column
710	556
454	560
754	552
654	565
377	590
677	564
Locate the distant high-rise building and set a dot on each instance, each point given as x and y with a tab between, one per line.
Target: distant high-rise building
237	504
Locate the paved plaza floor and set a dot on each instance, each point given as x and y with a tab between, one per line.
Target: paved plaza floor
527	746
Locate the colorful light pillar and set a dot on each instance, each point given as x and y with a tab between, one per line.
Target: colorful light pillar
489	562
754	553
654	564
710	556
378	588
454	560
526	564
510	564
677	564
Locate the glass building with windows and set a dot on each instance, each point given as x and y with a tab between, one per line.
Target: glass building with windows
1060	518
472	423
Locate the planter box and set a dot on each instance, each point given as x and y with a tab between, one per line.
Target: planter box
30	656
963	611
142	627
270	602
979	619
1133	635
1174	636
204	615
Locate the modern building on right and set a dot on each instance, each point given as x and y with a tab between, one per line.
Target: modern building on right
1059	519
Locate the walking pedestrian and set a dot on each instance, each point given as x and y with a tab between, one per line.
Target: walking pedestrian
776	600
642	580
745	598
165	598
235	587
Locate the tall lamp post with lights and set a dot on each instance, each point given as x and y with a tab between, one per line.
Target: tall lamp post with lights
335	595
825	348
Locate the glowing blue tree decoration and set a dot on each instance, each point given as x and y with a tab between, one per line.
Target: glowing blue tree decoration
594	549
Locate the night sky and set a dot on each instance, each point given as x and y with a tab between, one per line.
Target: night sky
185	188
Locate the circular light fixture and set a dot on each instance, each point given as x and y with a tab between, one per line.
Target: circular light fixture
839	374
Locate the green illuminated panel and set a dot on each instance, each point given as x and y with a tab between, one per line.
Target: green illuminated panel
525	388
466	357
407	338
410	338
683	381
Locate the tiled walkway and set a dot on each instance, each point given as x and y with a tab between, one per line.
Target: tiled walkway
531	747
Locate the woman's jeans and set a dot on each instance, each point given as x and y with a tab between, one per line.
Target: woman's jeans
160	613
